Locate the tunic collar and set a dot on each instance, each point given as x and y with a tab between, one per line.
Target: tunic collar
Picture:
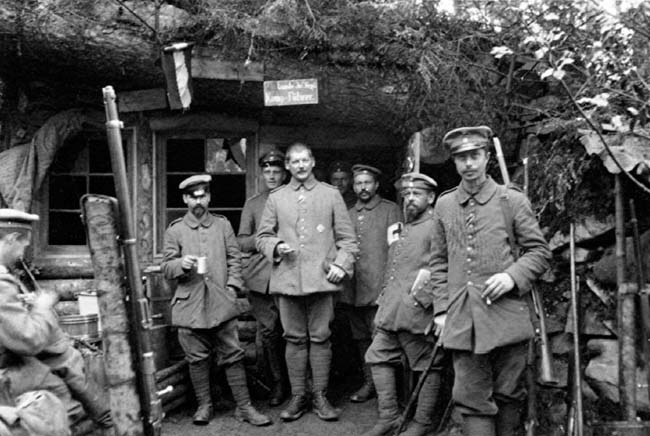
206	220
308	184
484	194
374	201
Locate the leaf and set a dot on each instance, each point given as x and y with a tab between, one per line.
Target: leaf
501	51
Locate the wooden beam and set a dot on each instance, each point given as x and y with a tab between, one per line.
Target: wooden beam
142	100
208	68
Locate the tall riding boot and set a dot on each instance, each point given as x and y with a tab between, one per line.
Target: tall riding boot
367	390
200	376
384	380
245	411
508	419
296	356
274	358
423	420
478	425
320	357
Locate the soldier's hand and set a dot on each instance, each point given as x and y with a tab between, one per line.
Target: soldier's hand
496	286
188	262
45	300
335	274
283	249
439	324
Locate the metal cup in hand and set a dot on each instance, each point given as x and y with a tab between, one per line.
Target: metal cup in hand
201	265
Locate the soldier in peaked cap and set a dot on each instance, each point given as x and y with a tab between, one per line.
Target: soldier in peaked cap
26	328
340	175
479	286
204	304
402	322
371	216
257	273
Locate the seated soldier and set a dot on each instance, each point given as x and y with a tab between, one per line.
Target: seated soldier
25	331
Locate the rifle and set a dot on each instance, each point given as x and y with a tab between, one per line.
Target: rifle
546	367
576	407
140	318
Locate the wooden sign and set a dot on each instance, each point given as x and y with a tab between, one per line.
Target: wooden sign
290	92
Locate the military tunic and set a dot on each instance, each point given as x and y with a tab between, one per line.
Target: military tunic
203	300
470	244
371	221
311	217
405	311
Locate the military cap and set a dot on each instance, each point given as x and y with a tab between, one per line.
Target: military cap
194	183
272	158
467	138
13	218
365	169
340	166
417	180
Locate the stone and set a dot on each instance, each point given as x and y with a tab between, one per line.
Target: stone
605	268
589	228
602	373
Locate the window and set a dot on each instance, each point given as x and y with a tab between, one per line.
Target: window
181	156
82	165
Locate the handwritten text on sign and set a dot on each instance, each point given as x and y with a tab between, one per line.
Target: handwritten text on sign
290	92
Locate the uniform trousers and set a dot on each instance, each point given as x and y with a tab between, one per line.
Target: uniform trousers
265	311
306	318
388	348
198	344
483	380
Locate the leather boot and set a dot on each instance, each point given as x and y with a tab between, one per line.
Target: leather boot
367	390
244	412
475	425
384	380
294	410
200	377
98	411
322	407
423	419
508	419
274	359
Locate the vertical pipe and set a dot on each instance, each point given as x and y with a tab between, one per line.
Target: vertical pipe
625	314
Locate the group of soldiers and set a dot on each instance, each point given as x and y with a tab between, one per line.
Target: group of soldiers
406	278
457	272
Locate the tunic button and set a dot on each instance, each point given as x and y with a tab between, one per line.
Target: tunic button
391	277
469	259
469	248
469	272
470	284
302	236
302	245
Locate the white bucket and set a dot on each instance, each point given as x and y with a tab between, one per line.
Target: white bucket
89	305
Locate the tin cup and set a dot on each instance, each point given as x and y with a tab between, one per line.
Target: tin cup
201	265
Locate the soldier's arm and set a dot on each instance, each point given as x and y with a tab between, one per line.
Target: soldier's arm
171	264
535	253
24	331
439	265
233	258
267	239
246	235
344	236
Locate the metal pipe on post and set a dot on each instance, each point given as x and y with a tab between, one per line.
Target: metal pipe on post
625	314
577	377
141	322
643	289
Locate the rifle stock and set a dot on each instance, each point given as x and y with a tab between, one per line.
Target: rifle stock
140	318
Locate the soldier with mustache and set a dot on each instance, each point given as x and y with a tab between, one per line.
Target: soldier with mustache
204	304
371	216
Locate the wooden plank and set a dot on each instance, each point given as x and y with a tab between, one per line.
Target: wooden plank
68	288
208	68
142	100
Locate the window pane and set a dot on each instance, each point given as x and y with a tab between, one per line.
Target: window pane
174	195
99	156
228	191
66	229
185	155
102	185
72	157
65	191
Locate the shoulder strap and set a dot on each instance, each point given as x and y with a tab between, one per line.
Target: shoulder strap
508	216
